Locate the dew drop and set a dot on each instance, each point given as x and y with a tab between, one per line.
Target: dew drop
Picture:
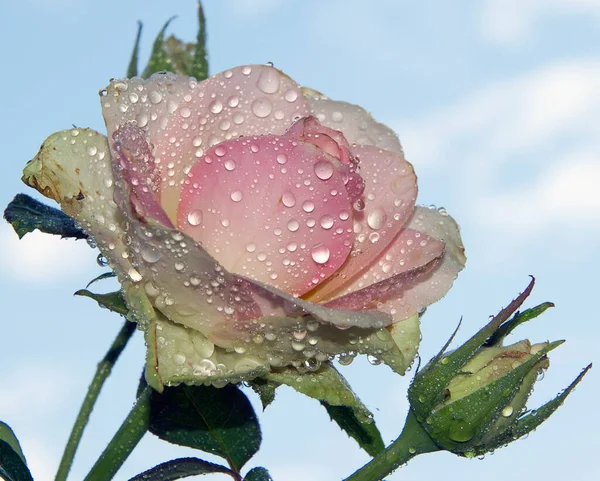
507	411
195	217
229	164
323	169
155	97
150	254
282	159
291	95
237	195
185	112
308	206
215	107
327	222
268	81
293	225
134	275
262	107
376	218
320	254
288	199
220	151
251	247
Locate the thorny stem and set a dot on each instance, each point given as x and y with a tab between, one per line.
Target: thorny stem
412	441
102	372
124	441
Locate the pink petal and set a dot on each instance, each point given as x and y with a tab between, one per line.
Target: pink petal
333	142
184	118
270	208
386	205
134	157
410	250
436	284
355	122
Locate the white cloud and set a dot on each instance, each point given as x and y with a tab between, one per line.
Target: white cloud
42	258
524	158
565	196
511	22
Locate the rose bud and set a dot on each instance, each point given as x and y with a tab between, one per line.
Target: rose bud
472	400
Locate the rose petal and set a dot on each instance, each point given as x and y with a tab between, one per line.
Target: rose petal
132	154
389	197
355	122
410	257
270	208
184	118
434	286
73	167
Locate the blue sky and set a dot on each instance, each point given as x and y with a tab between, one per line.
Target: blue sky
497	105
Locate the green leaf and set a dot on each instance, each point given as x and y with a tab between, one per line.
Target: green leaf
27	214
344	407
219	421
101	277
12	462
365	434
200	64
159	59
265	390
258	474
7	435
180	468
112	301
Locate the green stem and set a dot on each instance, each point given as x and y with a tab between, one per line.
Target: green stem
413	441
102	372
124	441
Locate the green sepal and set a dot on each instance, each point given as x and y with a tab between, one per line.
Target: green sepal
180	468
7	435
112	301
219	421
518	319
132	69
258	474
27	214
532	419
159	59
428	387
101	277
199	67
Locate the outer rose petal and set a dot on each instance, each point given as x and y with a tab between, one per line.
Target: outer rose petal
435	286
73	167
389	198
184	118
409	259
270	208
355	122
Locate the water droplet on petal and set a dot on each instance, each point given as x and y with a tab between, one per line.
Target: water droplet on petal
237	195
323	169
291	95
376	218
229	164
281	159
268	81
262	107
327	222
215	106
195	217
308	206
288	199
155	97
320	254
293	225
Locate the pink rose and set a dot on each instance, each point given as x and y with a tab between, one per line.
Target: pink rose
253	224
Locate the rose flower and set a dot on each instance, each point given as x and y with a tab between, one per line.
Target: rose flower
253	224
